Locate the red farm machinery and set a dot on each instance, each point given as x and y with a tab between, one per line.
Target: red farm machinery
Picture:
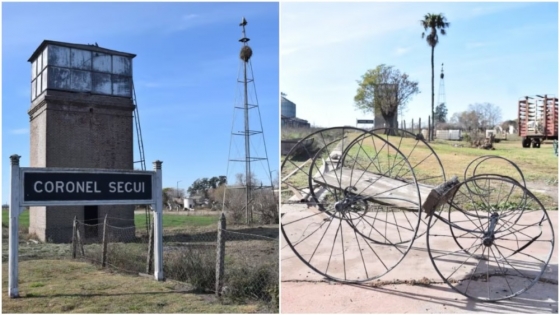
538	120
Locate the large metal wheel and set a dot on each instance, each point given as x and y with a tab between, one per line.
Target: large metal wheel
424	161
335	209
424	164
505	239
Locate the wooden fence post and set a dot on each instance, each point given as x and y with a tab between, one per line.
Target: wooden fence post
74	240
80	243
431	128
150	258
412	125
104	251
419	124
220	254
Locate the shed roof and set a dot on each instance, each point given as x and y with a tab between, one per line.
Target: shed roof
77	46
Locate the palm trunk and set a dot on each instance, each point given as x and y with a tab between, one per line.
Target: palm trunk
432	131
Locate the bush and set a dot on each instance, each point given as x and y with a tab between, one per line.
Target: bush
127	256
265	206
258	283
196	266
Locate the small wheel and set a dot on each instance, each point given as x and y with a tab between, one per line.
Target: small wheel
505	243
498	163
536	143
329	210
526	143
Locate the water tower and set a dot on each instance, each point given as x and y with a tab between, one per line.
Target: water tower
288	108
80	117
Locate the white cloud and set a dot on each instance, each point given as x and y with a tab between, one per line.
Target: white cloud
472	45
402	51
189	16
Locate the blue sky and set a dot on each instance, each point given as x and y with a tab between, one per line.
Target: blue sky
185	75
493	52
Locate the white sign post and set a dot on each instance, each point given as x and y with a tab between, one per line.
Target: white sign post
158	223
15	210
76	187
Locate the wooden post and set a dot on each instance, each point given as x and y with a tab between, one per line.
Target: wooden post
80	243
104	251
404	124
149	259
412	125
220	254
430	132
74	240
420	125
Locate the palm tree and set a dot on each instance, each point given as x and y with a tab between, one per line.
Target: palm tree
434	22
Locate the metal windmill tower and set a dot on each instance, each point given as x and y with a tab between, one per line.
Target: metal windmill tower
441	95
252	127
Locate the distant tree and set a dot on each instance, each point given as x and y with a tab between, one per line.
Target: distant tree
489	115
170	194
213	182
441	113
253	181
203	185
433	23
512	122
384	89
465	120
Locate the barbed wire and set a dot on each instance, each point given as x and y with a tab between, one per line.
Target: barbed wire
190	256
250	234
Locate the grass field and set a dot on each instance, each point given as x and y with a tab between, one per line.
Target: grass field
169	220
538	166
65	286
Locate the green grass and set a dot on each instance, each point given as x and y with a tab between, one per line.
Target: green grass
66	286
177	220
23	218
169	220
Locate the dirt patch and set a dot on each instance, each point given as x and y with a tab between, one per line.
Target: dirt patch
545	189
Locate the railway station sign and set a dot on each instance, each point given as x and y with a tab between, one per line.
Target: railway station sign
31	186
65	187
364	121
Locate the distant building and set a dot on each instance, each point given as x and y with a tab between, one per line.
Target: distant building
288	115
288	108
294	122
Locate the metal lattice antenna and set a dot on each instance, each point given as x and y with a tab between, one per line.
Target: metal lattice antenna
141	158
245	55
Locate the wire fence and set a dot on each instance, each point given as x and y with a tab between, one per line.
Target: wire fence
249	258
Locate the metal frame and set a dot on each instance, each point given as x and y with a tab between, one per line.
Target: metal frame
17	205
444	195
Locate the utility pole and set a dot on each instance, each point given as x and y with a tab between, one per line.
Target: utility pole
178	188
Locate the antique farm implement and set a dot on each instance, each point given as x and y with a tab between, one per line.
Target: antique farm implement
354	201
